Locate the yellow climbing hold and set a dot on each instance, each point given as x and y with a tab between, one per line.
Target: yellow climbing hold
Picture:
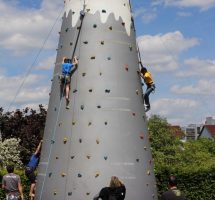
63	174
65	140
97	175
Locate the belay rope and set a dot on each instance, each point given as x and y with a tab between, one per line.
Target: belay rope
82	15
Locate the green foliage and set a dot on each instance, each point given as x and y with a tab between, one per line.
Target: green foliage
193	162
27	125
10	152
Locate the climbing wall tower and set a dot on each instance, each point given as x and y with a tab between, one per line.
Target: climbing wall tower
104	133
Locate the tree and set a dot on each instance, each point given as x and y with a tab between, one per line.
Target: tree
27	125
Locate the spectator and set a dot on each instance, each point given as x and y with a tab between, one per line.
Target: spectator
173	193
11	183
115	191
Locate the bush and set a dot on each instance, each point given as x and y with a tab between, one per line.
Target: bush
10	152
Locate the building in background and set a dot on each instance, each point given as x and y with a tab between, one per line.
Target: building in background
208	131
210	121
192	131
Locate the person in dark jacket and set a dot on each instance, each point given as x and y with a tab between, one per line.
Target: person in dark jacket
115	191
173	193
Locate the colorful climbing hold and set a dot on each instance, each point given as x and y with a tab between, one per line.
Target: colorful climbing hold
80	140
70	43
63	174
82	107
134	114
79	175
88	156
75	90
65	140
90	123
73	123
141	136
111	28
90	90
98	106
69	193
137	91
107	91
67	29
94	26
137	159
50	174
105	157
106	123
126	67
102	42
52	141
88	193
93	58
55	193
97	175
83	74
72	157
148	172
85	42
97	141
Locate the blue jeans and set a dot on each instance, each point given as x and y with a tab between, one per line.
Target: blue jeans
149	89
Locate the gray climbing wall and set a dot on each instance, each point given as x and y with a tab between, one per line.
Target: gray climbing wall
104	133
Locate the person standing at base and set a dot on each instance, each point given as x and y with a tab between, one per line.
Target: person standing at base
11	183
68	66
115	191
31	167
147	77
173	193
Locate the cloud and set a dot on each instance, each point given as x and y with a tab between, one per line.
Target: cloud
198	67
26	29
202	4
184	14
162	51
203	87
147	15
47	64
175	110
33	90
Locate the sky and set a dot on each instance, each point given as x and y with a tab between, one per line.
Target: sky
175	37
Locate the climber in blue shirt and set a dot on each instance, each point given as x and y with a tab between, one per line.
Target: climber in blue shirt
31	167
68	67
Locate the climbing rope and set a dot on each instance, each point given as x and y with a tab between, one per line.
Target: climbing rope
55	127
82	13
34	61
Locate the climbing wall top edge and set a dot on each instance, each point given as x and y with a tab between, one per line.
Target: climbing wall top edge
120	8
